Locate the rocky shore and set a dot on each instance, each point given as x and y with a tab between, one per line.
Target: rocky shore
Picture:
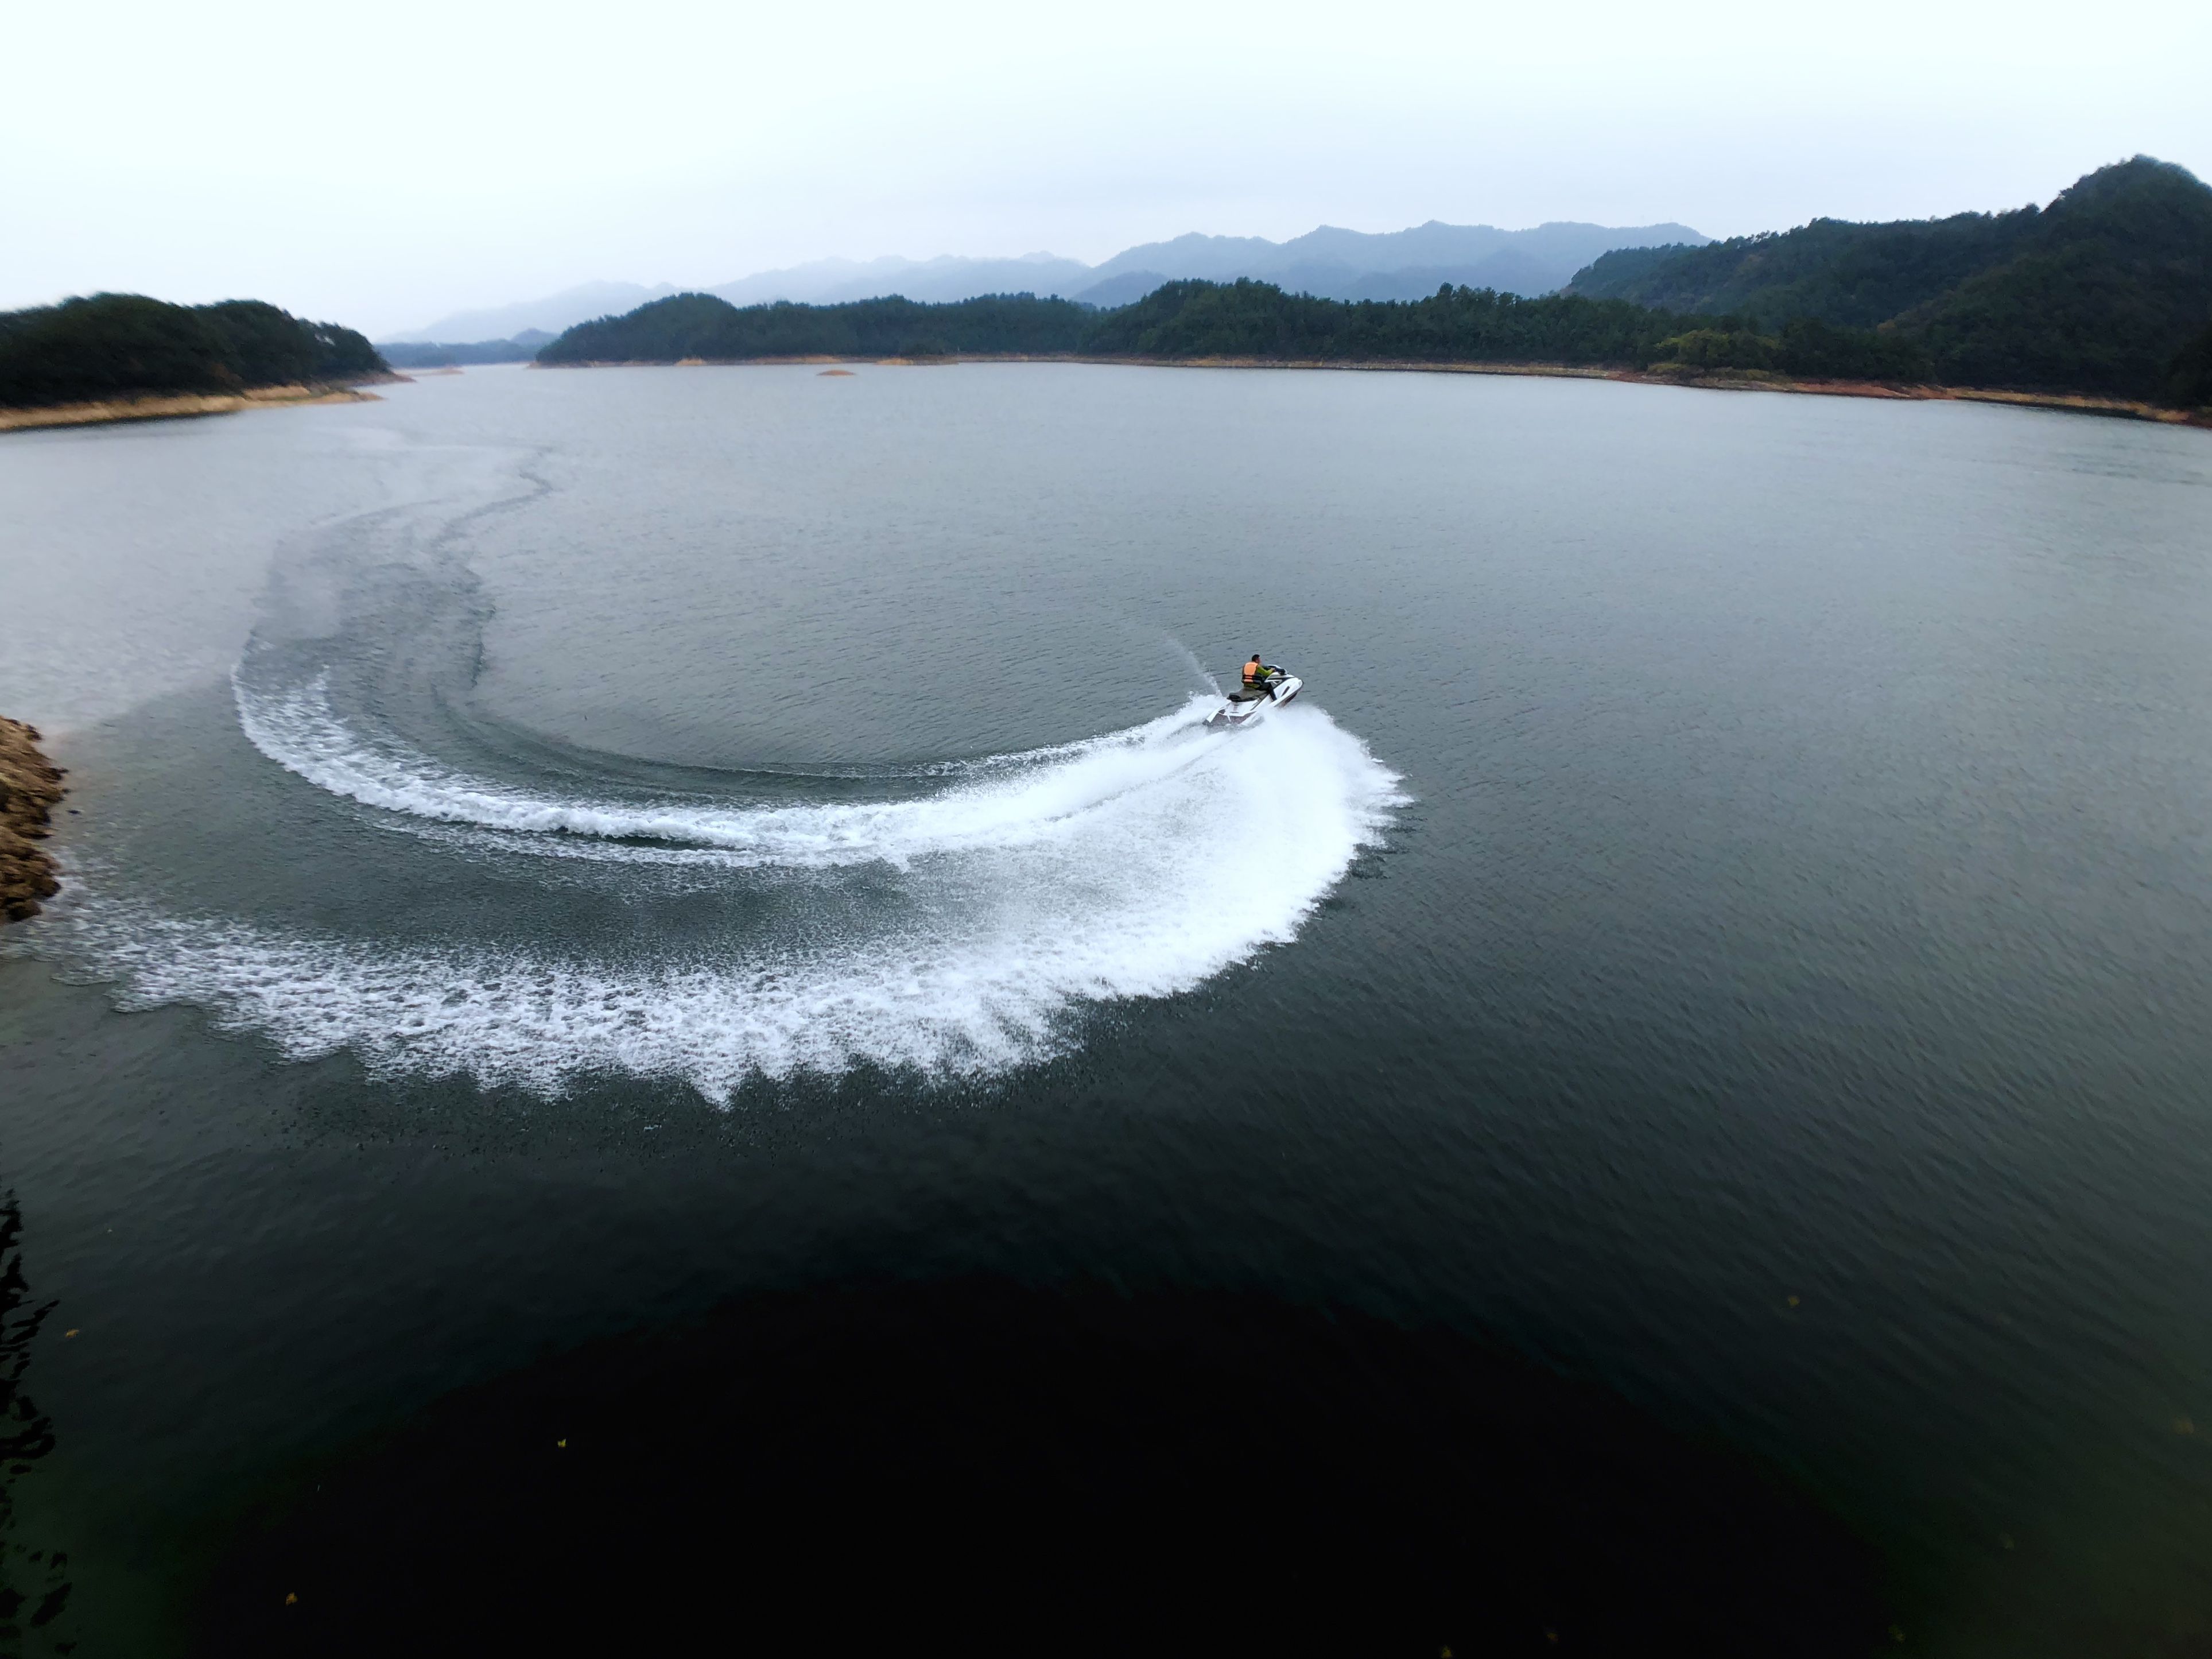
30	786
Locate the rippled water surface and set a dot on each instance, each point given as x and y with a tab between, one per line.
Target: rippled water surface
552	853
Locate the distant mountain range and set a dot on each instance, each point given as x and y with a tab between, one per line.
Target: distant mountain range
1327	263
833	281
1331	264
550	315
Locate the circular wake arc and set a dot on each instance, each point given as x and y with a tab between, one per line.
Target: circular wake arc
1004	801
712	930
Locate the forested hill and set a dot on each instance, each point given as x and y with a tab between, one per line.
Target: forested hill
2101	292
1855	276
1247	319
117	345
2108	292
1243	319
701	325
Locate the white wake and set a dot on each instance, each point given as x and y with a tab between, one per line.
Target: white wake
1011	800
1135	865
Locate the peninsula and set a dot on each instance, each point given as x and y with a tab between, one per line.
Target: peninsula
124	356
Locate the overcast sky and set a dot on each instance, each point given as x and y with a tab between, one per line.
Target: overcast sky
382	164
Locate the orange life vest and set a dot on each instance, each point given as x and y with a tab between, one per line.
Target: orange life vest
1253	672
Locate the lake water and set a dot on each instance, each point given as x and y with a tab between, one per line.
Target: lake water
726	861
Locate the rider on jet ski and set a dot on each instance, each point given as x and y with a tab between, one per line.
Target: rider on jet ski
1265	687
1259	679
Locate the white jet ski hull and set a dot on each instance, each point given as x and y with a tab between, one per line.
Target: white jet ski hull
1237	716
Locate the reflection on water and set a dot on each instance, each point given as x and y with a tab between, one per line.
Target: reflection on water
34	1587
1009	1470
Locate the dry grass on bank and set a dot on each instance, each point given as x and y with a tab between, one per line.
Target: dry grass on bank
175	405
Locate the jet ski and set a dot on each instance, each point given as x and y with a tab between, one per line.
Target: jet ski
1274	687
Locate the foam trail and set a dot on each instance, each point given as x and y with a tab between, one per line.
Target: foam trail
1129	877
1199	673
1017	798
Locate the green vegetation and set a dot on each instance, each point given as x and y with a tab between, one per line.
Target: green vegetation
1852	276
1461	325
2189	381
423	353
699	325
1247	319
2107	291
2095	294
119	345
1805	349
1244	319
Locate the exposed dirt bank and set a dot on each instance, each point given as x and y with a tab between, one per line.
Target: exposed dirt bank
786	363
1729	380
1712	380
171	406
30	785
1759	381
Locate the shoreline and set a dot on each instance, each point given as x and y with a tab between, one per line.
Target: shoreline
169	406
1716	381
30	788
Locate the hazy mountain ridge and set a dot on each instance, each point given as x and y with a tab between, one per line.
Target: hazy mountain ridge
1333	264
1328	262
549	315
949	276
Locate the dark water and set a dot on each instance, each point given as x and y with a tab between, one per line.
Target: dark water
1678	1069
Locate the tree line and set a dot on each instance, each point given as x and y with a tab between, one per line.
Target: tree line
701	325
1247	319
111	345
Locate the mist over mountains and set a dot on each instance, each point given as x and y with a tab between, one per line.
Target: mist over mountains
1329	263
